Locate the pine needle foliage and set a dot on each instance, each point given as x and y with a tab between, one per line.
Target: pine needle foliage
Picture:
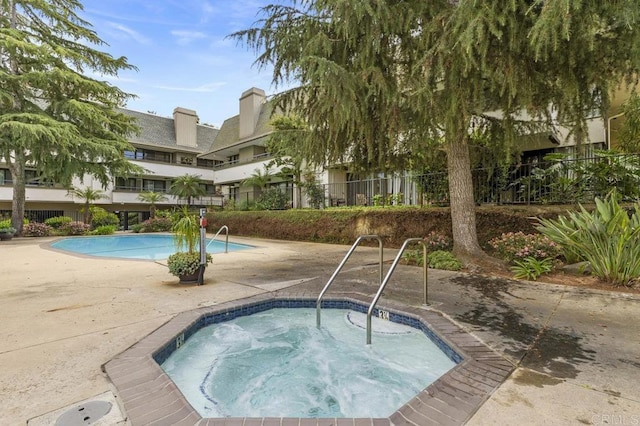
53	116
380	83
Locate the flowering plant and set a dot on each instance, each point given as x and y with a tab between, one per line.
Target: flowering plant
35	229
436	241
514	246
75	228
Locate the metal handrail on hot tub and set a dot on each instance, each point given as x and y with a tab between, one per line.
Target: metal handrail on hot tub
346	257
391	269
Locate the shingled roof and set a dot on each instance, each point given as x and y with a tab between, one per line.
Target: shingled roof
160	132
228	134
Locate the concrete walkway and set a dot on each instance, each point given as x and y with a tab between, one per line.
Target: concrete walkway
63	316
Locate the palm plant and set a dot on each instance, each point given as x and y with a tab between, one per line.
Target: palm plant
152	198
187	187
259	178
89	195
186	231
607	238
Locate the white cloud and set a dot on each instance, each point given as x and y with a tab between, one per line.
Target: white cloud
123	31
207	8
185	37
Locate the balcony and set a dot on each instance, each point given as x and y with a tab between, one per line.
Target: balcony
234	163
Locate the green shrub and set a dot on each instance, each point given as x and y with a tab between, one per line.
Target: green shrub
101	217
164	213
183	263
75	228
413	257
378	200
229	204
104	230
8	230
607	238
158	224
137	228
35	229
514	246
313	190
272	199
5	223
531	268
57	221
440	259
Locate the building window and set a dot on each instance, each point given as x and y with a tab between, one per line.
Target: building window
148	155
209	189
154	185
126	184
233	159
5	176
234	192
205	163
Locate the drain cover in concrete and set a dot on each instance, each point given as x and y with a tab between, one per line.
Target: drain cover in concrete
84	414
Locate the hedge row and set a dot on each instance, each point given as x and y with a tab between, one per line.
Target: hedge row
344	225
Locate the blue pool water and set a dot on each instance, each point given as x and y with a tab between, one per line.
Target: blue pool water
277	363
151	247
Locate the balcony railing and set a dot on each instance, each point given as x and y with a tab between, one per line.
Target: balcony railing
233	163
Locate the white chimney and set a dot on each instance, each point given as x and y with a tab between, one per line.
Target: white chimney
185	122
250	106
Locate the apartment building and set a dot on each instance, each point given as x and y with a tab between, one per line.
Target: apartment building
166	148
238	152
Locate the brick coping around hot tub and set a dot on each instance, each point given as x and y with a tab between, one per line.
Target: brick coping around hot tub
149	397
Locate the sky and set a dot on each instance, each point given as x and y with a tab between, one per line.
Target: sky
182	54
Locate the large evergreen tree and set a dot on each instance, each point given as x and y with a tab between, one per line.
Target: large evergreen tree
382	81
52	116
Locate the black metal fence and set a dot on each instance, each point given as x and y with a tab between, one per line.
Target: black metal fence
41	215
275	198
557	180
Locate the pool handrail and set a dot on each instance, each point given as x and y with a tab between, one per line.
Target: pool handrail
226	241
344	261
390	271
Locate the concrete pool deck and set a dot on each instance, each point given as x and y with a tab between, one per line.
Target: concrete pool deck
576	352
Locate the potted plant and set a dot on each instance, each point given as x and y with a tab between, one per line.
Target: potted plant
185	263
6	233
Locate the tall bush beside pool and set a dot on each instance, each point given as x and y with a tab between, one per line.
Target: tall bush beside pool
104	230
101	217
57	221
75	228
607	238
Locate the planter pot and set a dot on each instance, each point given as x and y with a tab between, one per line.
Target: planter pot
5	237
189	279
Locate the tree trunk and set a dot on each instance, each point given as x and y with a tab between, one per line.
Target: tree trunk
19	191
86	212
463	210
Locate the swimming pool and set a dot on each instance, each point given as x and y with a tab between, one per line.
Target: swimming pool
139	246
277	363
